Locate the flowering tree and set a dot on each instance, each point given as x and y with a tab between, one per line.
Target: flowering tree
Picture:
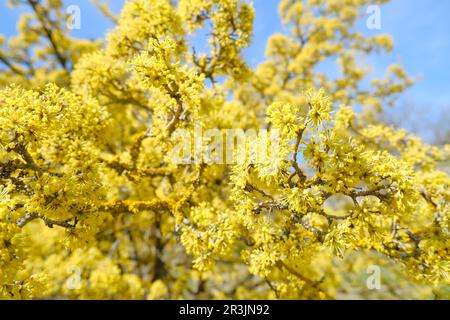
96	202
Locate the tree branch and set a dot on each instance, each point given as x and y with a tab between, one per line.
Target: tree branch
61	59
23	152
130	206
11	66
48	222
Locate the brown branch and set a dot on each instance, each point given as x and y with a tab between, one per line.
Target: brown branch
428	198
159	266
297	169
48	222
170	127
437	214
27	218
364	137
319	233
272	287
376	192
251	188
270	204
131	171
23	152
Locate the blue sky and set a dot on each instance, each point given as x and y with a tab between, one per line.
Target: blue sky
420	30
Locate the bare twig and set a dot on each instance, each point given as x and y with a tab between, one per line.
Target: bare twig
61	59
48	222
11	66
22	150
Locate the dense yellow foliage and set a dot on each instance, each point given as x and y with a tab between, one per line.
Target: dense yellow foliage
93	205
